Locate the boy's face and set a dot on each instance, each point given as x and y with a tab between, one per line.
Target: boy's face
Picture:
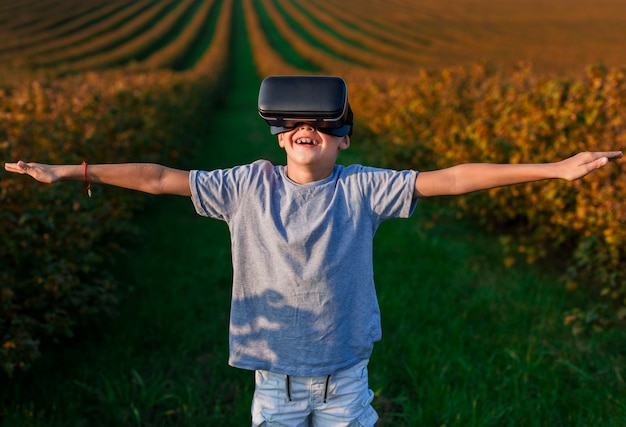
310	153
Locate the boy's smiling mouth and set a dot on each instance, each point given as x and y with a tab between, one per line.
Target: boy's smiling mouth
306	141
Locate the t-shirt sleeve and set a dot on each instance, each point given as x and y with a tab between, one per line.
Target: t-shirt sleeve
216	193
390	192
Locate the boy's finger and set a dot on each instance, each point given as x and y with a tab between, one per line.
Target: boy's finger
614	155
11	167
19	167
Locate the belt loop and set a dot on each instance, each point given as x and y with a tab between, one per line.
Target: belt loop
288	387
326	388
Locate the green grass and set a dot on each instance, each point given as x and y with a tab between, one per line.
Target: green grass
466	341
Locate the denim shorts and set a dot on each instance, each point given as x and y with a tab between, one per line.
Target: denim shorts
339	400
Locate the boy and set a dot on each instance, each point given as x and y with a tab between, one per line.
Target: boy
304	313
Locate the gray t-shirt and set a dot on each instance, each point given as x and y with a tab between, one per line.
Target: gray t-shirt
303	297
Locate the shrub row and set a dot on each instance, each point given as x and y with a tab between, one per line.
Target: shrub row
56	241
475	114
54	277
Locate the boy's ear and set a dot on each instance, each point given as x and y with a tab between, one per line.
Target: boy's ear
345	142
281	143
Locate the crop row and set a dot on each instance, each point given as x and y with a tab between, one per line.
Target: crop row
266	59
320	37
113	31
307	20
434	34
368	35
213	64
48	17
121	44
82	30
375	34
140	45
147	34
319	57
174	52
51	24
376	27
379	43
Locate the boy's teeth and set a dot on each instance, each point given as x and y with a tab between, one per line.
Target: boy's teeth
305	141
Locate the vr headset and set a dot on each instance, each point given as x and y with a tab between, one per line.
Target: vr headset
322	101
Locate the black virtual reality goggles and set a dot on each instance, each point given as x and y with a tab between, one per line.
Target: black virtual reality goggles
322	101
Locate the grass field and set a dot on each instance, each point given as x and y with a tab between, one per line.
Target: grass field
467	341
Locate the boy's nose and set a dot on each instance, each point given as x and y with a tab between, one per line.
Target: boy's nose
307	126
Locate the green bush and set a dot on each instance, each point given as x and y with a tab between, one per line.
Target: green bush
56	241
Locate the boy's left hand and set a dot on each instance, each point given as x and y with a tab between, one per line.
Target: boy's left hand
584	163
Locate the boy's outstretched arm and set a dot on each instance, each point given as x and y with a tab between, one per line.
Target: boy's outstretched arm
469	177
146	177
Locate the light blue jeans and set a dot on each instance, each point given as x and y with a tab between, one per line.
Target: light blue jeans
339	400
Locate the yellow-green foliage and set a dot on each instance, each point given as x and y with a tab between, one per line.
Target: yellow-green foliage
56	240
471	114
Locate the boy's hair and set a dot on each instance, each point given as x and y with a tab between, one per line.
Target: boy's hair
322	101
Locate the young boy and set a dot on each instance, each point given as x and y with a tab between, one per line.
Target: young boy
304	313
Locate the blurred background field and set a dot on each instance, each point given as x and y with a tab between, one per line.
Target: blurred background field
559	37
113	310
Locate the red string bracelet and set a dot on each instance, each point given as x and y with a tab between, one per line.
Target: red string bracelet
85	177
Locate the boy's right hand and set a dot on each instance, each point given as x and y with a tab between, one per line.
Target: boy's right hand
40	172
